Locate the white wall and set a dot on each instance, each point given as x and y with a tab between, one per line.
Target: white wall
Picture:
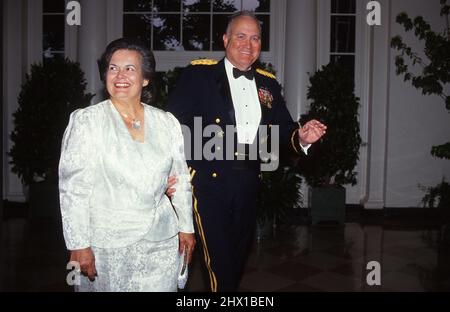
415	122
400	124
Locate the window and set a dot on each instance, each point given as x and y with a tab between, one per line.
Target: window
342	36
53	24
188	25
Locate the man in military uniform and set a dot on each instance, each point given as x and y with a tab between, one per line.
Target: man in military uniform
232	92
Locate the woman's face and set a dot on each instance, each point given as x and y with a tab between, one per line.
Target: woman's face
124	78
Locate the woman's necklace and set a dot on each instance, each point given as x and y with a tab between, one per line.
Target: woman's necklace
135	123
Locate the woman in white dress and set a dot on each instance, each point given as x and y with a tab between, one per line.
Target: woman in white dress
116	157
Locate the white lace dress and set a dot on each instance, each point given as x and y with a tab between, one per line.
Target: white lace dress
142	266
112	194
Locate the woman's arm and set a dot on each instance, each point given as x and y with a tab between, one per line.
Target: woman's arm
76	178
182	198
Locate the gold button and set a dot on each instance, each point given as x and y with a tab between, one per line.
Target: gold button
214	175
217	120
236	153
219	148
259	176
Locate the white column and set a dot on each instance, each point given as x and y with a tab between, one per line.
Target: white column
114	19
300	58
92	40
301	34
378	112
13	57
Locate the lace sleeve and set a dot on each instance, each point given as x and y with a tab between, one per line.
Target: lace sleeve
76	175
182	198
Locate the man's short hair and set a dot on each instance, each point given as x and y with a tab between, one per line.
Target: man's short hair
238	14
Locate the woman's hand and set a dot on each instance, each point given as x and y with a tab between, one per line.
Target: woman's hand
85	257
171	181
187	241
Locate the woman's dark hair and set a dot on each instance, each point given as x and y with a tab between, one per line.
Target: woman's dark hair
147	60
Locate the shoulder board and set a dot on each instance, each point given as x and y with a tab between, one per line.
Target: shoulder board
265	73
204	62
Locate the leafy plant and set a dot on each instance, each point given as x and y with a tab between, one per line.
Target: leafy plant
438	197
164	83
279	194
435	69
333	102
51	91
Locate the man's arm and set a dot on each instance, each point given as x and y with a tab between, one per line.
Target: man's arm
295	138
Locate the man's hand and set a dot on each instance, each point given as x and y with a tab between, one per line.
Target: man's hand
187	241
311	132
171	181
85	257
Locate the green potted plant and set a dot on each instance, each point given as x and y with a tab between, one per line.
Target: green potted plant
51	91
332	160
278	196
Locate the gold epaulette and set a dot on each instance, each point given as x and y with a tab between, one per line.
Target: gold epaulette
265	73
204	62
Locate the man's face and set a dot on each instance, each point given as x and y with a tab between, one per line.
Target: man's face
243	42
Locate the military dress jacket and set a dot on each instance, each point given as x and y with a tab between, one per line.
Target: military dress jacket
203	91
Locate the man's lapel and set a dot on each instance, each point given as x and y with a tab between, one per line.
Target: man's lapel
224	90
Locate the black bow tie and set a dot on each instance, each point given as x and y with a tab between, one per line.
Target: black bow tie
247	74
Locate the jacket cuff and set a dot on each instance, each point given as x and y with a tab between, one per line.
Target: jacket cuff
295	142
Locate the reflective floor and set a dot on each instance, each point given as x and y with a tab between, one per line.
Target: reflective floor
302	258
296	258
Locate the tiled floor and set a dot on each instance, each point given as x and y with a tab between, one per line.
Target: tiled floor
297	258
303	258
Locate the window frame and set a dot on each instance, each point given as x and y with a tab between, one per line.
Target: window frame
35	31
44	14
210	14
167	60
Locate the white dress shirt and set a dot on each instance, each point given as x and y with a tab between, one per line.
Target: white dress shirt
247	108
